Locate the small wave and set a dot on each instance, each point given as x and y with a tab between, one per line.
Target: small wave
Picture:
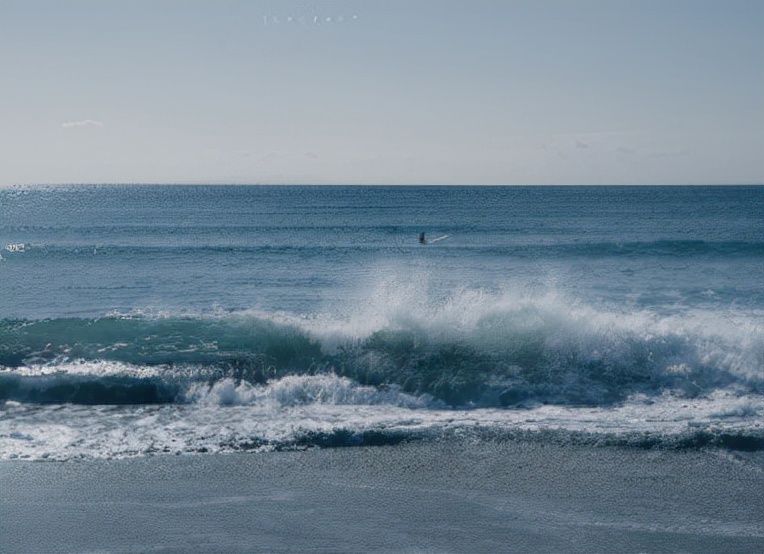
747	441
296	390
63	388
108	383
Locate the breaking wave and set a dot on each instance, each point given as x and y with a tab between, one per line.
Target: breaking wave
472	349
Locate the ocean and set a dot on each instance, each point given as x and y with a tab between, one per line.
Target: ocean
142	320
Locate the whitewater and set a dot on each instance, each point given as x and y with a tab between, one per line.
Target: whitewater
150	320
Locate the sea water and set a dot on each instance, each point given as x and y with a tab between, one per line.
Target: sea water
140	320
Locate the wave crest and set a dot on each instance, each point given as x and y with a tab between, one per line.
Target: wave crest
469	349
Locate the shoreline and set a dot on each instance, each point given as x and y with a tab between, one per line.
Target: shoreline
450	496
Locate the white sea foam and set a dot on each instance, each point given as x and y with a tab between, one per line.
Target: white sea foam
297	390
730	339
302	409
93	369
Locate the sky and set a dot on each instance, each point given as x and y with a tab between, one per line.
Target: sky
504	92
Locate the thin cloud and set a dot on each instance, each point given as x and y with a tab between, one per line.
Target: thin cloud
668	153
274	156
82	123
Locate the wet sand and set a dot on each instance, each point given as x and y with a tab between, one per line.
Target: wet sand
419	497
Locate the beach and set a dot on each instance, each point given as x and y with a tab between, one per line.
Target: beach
381	277
471	496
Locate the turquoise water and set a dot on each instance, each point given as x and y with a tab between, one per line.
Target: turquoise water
302	315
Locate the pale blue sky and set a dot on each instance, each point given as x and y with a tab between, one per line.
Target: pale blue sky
384	92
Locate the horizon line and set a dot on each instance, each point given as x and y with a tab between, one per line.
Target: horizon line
325	184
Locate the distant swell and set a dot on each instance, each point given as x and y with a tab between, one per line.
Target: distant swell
555	250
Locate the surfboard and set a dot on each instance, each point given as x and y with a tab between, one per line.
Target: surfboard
438	239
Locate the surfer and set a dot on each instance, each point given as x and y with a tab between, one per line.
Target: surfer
423	240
